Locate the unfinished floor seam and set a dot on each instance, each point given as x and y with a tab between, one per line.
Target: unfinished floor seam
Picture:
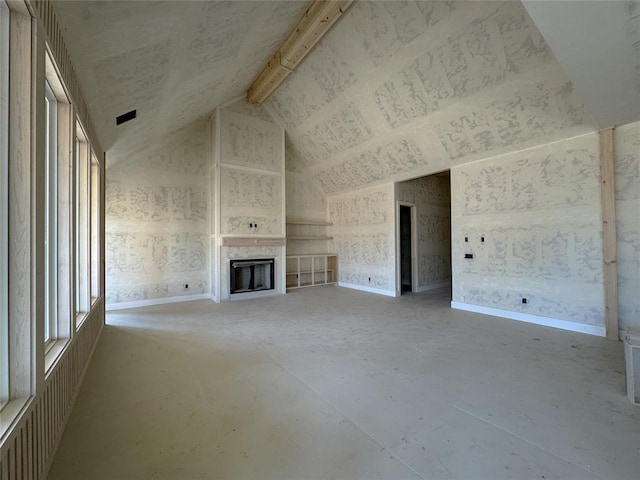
521	438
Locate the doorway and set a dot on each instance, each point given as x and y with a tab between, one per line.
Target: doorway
423	234
406	283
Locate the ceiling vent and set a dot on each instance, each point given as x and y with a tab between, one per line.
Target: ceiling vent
125	117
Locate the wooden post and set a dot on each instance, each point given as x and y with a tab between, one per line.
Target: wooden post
609	232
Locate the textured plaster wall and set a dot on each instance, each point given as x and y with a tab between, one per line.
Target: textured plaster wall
364	237
157	220
627	180
540	214
403	89
432	197
250	162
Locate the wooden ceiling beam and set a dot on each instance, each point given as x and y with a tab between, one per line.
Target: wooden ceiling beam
314	24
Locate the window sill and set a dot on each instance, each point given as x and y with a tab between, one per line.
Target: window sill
80	318
54	351
48	345
10	414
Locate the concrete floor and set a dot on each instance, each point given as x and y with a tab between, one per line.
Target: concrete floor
334	383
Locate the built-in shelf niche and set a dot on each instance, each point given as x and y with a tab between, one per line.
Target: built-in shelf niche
307	236
320	223
311	270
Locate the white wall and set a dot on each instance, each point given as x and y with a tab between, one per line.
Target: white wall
627	182
364	238
540	214
432	198
157	220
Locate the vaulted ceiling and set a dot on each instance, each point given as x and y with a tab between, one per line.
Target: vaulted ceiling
173	61
395	90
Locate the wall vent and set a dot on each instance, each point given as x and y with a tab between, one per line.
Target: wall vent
125	117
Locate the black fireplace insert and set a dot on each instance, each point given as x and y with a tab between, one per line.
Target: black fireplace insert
251	275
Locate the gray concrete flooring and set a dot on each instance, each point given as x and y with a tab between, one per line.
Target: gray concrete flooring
335	383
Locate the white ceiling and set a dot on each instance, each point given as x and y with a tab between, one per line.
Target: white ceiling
395	89
173	61
598	45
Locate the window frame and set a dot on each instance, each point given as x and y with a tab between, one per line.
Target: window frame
4	205
94	228
82	200
58	215
51	219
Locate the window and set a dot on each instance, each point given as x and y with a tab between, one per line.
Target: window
4	203
95	226
51	223
57	214
82	254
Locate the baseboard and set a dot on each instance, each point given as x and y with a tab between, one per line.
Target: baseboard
528	318
156	301
378	291
433	286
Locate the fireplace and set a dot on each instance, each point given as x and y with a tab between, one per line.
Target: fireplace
251	275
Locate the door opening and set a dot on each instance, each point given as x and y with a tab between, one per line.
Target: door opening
406	283
423	234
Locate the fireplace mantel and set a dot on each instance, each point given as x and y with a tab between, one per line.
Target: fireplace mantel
253	241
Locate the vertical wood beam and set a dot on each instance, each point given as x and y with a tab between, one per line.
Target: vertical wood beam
607	189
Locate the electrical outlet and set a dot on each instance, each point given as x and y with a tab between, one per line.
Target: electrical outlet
524	300
186	286
369	278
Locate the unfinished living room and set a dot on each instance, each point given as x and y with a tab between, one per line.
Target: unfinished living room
343	239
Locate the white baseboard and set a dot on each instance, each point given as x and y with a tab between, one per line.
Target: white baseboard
378	291
433	286
156	301
528	318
